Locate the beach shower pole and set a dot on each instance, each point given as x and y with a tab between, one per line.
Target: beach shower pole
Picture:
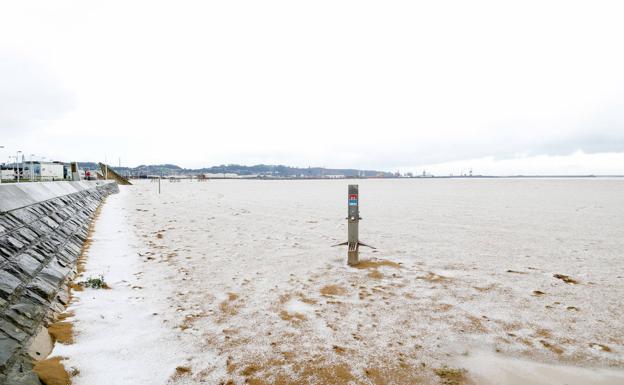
353	223
353	219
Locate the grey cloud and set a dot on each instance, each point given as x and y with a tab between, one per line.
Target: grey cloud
433	152
589	143
29	94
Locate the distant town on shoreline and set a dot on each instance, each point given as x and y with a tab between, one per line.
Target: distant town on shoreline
56	170
241	171
263	171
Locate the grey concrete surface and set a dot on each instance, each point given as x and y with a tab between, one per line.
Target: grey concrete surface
42	230
17	195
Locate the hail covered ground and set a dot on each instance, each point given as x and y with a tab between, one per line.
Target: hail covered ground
473	281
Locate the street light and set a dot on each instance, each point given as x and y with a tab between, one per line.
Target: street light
32	169
17	165
1	169
10	159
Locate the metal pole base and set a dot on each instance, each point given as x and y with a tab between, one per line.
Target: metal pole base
352	254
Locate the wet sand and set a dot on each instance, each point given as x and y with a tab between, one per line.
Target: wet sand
493	369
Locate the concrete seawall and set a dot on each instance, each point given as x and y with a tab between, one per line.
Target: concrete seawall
42	230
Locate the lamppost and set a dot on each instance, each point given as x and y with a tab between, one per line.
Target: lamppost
43	159
32	168
1	168
17	165
11	159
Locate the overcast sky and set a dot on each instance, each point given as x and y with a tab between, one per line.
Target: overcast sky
501	87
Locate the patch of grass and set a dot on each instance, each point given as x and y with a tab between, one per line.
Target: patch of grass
94	283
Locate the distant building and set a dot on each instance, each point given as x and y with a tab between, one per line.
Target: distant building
7	173
48	171
220	175
10	171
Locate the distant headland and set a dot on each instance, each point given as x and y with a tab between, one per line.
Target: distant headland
265	171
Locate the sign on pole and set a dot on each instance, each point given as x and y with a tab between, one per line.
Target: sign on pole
353	223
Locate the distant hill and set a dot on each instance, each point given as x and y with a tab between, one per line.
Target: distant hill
260	170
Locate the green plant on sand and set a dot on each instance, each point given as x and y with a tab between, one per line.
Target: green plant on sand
94	283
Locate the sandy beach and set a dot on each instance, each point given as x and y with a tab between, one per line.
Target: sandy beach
176	208
232	282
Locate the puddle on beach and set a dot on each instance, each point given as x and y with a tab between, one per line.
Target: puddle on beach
491	369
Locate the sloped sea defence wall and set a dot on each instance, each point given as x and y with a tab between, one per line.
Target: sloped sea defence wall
43	227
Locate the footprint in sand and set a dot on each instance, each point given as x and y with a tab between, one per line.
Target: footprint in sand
567	279
600	347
